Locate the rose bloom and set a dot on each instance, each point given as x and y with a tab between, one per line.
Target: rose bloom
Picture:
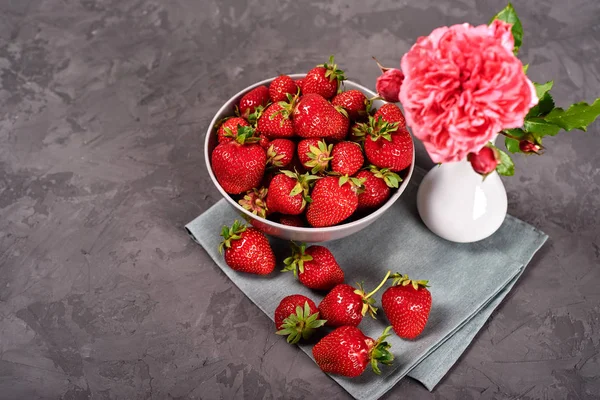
462	85
388	84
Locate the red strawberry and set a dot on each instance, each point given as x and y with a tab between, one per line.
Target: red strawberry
391	113
333	200
258	96
376	186
385	145
347	158
354	102
316	117
346	305
264	141
299	83
254	201
314	154
280	152
282	86
275	121
347	351
228	130
297	317
315	267
288	192
239	165
291	220
394	154
247	250
407	304
323	79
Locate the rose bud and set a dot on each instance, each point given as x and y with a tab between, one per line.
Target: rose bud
528	147
388	83
484	162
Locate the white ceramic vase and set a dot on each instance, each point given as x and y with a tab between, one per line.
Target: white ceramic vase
458	205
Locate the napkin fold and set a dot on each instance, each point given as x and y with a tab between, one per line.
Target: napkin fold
467	281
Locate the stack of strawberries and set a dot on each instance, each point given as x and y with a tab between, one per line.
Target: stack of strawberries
306	152
345	350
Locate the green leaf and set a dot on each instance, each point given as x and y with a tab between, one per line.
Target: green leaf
578	116
511	144
541	127
542	88
516	133
505	166
543	107
525	68
510	16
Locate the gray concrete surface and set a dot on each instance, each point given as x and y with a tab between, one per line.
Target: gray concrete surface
103	105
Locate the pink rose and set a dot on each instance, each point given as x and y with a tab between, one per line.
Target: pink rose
462	86
485	161
389	83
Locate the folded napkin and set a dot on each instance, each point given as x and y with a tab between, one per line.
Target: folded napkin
467	281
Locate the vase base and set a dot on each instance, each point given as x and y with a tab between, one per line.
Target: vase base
456	204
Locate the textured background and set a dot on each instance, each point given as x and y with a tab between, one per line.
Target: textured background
103	107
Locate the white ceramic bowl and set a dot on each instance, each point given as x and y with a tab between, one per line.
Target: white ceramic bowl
291	232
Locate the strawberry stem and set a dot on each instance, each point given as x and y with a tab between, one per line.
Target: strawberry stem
301	324
380	352
380	285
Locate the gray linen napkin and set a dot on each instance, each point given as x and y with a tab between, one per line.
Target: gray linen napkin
468	281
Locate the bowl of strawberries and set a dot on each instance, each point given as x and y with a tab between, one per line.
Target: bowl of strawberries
309	157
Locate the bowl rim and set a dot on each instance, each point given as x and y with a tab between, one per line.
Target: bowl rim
341	227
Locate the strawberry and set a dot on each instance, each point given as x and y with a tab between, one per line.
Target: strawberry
297	317
315	267
299	83
333	200
354	102
258	96
275	121
280	152
315	117
281	86
239	165
386	146
376	186
314	154
407	304
291	220
395	153
263	141
347	158
288	192
228	130
254	201
323	79
391	113
346	305
247	250
347	351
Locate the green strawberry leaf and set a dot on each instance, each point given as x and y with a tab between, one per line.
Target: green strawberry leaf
505	165
510	16
525	68
578	116
543	107
540	127
511	144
